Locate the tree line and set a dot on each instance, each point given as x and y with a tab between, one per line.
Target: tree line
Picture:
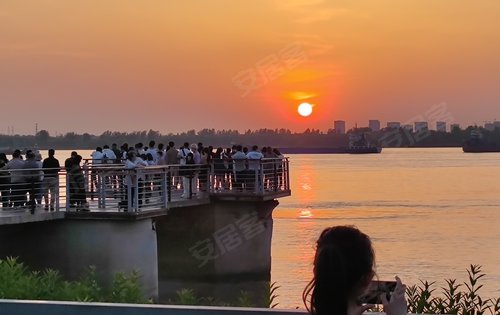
280	138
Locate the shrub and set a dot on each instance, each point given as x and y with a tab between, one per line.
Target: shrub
18	282
453	300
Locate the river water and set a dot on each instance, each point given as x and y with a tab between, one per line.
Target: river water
430	213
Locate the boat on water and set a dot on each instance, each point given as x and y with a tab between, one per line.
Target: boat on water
358	144
477	144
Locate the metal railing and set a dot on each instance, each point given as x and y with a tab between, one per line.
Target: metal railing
112	187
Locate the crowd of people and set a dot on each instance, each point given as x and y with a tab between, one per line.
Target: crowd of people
26	181
30	181
234	167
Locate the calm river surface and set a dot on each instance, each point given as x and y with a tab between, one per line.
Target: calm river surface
430	213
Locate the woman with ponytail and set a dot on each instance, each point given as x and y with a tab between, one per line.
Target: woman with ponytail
343	268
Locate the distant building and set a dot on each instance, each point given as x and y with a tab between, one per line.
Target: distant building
497	124
408	127
489	126
374	125
393	125
421	126
453	126
339	126
441	126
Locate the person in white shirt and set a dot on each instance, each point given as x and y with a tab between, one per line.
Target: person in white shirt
133	162
182	154
239	167
254	159
153	151
108	155
97	156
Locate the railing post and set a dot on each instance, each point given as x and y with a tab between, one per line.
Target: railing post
58	195
68	191
211	177
287	187
136	193
101	203
130	191
169	183
275	176
164	187
190	186
261	179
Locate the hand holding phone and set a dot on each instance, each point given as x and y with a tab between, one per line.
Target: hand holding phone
375	290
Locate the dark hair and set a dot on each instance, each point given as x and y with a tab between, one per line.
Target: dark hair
343	266
52	152
152	143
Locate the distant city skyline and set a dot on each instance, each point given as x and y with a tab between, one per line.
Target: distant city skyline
91	66
344	125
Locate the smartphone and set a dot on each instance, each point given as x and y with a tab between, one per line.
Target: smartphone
375	289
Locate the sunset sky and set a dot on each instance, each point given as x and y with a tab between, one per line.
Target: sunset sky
172	65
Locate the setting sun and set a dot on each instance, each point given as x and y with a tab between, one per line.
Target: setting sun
305	109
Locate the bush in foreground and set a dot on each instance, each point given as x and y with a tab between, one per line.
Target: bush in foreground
460	299
18	282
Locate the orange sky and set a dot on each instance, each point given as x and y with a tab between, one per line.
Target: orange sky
92	65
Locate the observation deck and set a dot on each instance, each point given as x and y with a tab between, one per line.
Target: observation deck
108	191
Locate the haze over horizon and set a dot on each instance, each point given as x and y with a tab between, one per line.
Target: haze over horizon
171	66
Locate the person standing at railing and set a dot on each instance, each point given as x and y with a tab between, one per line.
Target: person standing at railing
239	160
182	155
279	168
117	152
108	155
132	180
206	161
97	159
171	158
50	179
254	160
39	189
32	178
228	165
153	151
17	184
4	182
218	168
197	160
78	196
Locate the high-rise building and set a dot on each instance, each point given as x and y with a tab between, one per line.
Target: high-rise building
374	125
421	126
339	126
393	125
489	126
441	126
